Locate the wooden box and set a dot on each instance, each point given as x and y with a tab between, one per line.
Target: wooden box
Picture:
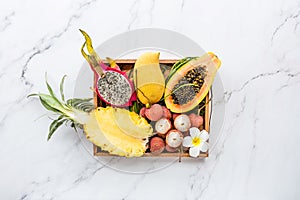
127	64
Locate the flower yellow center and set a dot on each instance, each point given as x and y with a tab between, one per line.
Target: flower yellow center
196	141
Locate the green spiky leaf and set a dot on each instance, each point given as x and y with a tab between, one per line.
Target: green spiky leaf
81	104
51	92
74	110
50	103
55	125
61	87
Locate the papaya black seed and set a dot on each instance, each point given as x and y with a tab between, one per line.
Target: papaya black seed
183	91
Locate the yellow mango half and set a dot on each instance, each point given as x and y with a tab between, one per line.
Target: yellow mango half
148	78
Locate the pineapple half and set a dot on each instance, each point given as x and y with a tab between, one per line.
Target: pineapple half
130	138
116	130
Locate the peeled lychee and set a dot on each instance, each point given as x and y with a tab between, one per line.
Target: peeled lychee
163	125
174	138
196	120
182	123
154	113
157	145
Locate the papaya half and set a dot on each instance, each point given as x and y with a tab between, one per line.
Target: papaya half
189	81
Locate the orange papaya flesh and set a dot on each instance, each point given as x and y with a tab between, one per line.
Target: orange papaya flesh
189	84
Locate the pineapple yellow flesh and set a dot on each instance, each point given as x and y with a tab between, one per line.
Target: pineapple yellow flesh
132	124
117	137
95	135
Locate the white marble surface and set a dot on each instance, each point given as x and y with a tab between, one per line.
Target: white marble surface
257	155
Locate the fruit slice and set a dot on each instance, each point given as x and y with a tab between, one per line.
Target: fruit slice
148	78
132	147
95	135
188	84
132	124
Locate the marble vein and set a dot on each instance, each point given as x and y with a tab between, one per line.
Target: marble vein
84	177
136	183
24	197
151	11
14	104
35	185
228	94
34	52
48	42
133	10
134	187
200	183
253	149
241	111
286	20
290	76
296	26
182	5
42	46
6	21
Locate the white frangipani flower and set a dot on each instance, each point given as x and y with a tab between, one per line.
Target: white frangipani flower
197	141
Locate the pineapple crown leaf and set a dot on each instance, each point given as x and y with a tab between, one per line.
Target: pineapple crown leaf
62	88
65	109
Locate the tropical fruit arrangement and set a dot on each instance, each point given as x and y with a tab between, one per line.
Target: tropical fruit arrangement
149	108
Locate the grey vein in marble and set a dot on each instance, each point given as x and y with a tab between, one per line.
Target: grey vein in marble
43	45
6	21
49	41
15	104
134	13
35	185
253	149
290	76
243	105
262	75
151	11
182	5
296	26
287	19
198	186
137	182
